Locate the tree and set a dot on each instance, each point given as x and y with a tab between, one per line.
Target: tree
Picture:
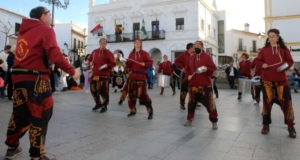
6	30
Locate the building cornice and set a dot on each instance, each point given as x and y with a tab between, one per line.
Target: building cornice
17	14
292	43
101	10
78	33
247	33
209	8
282	17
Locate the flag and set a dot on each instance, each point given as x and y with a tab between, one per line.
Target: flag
143	29
118	28
157	27
97	29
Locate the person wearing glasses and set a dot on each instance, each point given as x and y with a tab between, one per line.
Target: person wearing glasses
275	87
32	94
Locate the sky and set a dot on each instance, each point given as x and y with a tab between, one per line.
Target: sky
242	11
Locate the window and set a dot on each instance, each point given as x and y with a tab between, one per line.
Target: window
136	30
100	34
179	23
118	33
81	44
202	24
214	33
208	30
240	44
253	46
17	27
221	31
155	29
74	43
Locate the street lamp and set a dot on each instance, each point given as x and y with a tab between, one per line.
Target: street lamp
58	4
260	34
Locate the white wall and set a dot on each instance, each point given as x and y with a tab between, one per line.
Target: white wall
289	29
6	17
63	35
285	7
175	40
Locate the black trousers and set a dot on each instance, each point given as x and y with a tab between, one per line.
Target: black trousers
231	81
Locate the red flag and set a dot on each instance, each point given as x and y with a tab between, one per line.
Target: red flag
96	28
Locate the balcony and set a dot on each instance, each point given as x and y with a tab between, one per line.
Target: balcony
130	37
242	48
252	49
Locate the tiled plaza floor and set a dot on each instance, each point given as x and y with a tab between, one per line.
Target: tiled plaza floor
77	133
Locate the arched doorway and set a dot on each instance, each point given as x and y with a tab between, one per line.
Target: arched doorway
156	57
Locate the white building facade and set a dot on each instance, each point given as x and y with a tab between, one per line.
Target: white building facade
70	38
232	42
9	25
285	16
179	22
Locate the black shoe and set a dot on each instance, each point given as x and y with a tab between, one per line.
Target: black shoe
103	109
64	89
292	132
217	96
295	90
120	102
115	90
182	106
150	116
97	106
45	158
239	97
131	114
12	153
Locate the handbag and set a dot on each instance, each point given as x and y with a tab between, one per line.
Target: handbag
1	82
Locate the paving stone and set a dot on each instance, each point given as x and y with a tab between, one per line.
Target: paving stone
77	133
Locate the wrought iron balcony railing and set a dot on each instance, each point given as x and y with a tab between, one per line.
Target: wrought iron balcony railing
252	49
242	48
129	37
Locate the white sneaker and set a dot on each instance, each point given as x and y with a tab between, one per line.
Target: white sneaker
188	123
214	126
87	91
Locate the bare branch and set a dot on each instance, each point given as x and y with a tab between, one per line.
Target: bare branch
9	24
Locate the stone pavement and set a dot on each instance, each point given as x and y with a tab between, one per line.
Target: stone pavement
77	133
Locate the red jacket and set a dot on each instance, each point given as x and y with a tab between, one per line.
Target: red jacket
138	72
101	57
182	59
245	68
196	61
266	56
257	65
166	68
34	38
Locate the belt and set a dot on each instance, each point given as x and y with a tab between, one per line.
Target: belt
32	72
137	72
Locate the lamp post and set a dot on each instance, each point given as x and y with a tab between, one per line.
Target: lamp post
260	34
58	4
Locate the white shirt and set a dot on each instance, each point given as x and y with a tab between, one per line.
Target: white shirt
231	71
3	56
